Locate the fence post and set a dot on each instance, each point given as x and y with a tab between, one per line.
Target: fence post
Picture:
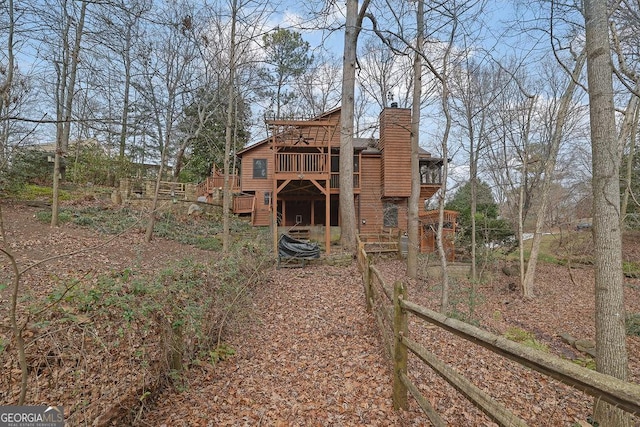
367	280
400	329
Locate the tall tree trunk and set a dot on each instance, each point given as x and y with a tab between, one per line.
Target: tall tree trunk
347	204
550	166
414	199
444	297
5	88
611	352
629	130
473	181
527	293
124	119
151	223
226	195
164	142
62	142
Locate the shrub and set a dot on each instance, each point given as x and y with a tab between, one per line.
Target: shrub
30	166
633	324
45	216
526	338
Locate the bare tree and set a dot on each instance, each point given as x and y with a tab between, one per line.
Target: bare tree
414	198
611	351
226	201
386	72
67	71
353	25
319	87
169	64
120	39
6	85
474	87
559	119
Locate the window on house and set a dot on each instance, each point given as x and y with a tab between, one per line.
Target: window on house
267	198
390	215
260	168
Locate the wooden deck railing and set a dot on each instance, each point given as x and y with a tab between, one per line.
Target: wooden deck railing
391	308
301	163
212	182
335	180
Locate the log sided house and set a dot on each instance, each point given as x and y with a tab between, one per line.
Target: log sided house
296	170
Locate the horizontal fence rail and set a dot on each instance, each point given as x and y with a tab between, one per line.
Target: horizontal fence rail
391	309
617	392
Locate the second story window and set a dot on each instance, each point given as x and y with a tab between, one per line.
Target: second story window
260	168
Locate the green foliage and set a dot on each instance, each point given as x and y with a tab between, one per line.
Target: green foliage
586	362
489	228
90	163
201	233
631	269
485	204
220	353
108	221
27	192
45	216
526	338
29	166
287	56
208	144
186	301
208	243
633	324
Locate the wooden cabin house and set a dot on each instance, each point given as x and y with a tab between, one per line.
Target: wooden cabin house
292	178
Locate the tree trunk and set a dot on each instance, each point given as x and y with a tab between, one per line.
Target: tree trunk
526	292
611	352
226	194
124	120
473	181
414	199
550	165
444	297
66	105
629	130
5	89
347	204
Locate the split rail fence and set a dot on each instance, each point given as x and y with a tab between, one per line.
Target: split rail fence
391	309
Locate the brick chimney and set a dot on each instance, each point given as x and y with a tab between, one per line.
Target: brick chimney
395	145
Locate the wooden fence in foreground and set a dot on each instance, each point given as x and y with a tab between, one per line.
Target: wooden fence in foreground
391	310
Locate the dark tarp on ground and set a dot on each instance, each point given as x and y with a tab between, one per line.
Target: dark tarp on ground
288	247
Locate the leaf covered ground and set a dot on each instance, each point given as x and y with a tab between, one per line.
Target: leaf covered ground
306	353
